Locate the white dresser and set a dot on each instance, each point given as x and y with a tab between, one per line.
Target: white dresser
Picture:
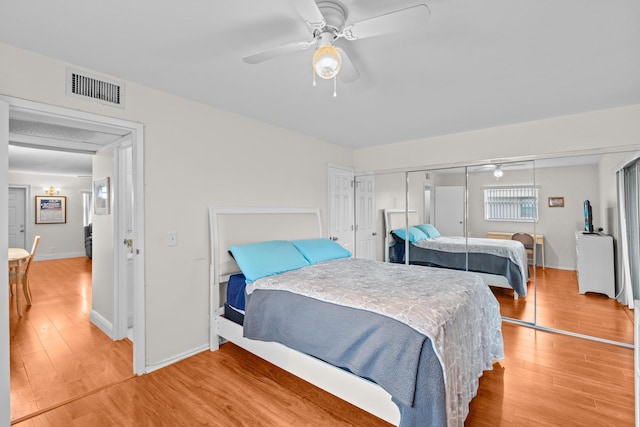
595	263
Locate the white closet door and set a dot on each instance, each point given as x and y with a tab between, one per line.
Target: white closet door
366	217
449	210
341	219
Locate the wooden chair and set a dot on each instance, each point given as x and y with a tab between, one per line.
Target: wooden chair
529	244
24	273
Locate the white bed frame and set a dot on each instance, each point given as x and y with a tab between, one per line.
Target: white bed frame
230	227
397	218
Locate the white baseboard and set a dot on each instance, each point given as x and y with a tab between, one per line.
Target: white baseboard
103	324
61	255
177	358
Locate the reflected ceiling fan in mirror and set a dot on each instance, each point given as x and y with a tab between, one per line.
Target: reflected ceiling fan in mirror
499	168
327	22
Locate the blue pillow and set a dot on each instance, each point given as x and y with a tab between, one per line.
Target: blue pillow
429	230
415	234
318	250
262	259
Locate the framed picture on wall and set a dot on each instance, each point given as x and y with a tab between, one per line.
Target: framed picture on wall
51	209
556	202
101	198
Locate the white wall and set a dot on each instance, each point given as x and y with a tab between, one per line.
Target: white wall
616	127
195	156
608	203
56	240
102	273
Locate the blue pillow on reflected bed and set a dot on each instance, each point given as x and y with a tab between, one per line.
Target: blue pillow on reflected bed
429	230
263	259
319	250
415	234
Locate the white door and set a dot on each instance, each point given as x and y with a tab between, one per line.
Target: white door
449	210
17	218
366	218
123	194
341	219
428	204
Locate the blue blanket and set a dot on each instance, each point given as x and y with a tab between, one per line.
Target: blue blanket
375	347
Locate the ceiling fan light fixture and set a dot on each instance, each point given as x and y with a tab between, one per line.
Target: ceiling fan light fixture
326	62
498	172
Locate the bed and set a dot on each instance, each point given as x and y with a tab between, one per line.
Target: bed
407	364
501	263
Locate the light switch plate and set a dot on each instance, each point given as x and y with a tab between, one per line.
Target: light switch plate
172	238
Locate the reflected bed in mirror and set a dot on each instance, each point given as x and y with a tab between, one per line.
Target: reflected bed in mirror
499	262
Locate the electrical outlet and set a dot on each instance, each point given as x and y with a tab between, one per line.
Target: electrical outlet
172	238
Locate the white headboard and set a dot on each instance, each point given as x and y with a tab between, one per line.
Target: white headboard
397	218
238	226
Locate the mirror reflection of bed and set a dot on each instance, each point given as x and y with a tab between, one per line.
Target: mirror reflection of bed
553	299
500	263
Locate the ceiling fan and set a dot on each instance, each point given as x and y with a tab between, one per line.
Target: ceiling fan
499	168
327	22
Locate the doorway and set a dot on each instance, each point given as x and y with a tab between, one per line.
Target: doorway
11	108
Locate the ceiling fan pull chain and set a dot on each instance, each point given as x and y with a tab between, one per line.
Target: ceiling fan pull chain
335	91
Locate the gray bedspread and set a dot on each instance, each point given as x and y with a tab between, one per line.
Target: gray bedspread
493	256
339	303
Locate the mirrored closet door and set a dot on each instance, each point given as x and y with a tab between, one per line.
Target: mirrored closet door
577	290
502	209
542	200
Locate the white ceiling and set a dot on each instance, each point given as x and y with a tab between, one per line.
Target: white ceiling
54	146
475	64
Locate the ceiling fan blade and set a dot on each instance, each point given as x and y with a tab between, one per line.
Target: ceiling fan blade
309	11
348	72
392	22
276	51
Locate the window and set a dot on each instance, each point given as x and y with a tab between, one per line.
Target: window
518	204
87	200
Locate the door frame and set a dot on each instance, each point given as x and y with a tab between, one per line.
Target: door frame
136	131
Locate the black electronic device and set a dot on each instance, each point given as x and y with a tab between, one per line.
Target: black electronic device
588	218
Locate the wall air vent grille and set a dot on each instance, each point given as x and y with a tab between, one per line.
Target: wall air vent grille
85	86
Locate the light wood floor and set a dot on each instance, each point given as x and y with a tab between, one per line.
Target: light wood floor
545	379
56	353
560	306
